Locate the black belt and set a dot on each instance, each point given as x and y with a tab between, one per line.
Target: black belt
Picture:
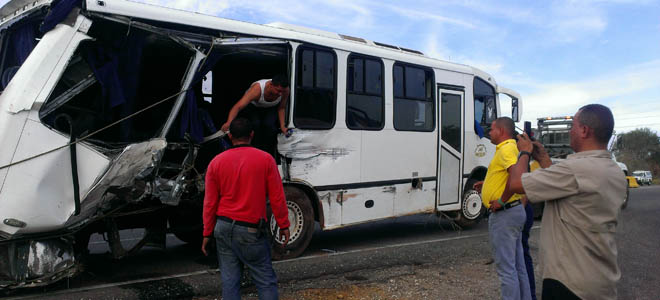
241	223
509	205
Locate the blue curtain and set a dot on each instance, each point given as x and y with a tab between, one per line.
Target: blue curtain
117	69
59	10
191	121
21	41
478	129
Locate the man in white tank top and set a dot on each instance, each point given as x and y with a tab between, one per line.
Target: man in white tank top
264	101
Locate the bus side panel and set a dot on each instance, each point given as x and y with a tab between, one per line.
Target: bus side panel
401	155
323	157
39	191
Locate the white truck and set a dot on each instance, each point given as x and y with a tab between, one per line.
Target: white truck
554	134
643	177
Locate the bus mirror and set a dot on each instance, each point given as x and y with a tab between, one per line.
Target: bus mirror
515	115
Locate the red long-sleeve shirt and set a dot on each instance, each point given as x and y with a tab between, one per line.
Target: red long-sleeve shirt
237	184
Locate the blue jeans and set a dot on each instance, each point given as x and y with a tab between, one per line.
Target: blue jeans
529	212
505	233
240	246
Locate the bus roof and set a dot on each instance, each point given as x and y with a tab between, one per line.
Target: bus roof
278	31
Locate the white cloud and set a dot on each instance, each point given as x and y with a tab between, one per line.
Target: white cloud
317	14
422	13
434	48
614	89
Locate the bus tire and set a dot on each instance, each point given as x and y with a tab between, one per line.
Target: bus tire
472	208
301	228
187	226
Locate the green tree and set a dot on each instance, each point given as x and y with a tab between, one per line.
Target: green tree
639	150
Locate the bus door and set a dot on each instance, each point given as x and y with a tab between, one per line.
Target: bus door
450	147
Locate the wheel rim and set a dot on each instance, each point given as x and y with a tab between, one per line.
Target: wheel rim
296	220
472	205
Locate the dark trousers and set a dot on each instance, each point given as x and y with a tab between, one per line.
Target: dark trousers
239	247
553	289
529	212
266	126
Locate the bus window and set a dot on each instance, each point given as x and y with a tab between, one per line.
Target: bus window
450	108
365	108
413	98
316	85
485	109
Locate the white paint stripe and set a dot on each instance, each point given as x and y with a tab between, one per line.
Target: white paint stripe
214	271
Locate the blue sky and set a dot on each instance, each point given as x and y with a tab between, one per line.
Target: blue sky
559	55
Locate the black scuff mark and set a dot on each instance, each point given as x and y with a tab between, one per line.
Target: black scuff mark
162	289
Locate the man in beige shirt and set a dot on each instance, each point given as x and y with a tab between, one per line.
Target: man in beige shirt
583	196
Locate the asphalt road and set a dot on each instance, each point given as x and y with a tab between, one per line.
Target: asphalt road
181	271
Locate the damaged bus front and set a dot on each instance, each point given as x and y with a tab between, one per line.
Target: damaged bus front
100	132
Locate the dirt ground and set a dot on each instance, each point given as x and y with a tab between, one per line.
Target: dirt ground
475	279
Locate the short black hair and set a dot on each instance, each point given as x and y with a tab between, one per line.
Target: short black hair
599	118
280	80
508	125
240	128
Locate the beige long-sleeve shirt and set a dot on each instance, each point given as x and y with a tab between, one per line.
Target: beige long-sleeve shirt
583	196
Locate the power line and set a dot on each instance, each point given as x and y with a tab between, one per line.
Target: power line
639	125
633	118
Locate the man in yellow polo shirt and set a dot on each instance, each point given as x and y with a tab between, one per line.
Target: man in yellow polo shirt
507	216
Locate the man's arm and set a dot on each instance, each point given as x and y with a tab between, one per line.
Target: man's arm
522	166
281	111
514	183
253	93
211	202
277	200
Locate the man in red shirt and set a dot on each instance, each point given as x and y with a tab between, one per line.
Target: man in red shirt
238	181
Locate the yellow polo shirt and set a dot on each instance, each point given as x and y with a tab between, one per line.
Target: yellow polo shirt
506	155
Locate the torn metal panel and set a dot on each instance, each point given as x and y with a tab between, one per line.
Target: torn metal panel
170	191
36	263
322	157
136	162
331	209
305	145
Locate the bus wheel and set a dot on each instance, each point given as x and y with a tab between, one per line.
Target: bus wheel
301	219
472	208
187	226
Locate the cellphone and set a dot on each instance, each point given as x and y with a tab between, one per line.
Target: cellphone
528	129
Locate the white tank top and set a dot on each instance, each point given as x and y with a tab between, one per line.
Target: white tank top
262	102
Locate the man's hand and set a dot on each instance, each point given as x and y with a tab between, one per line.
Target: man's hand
494	205
225	127
205	242
477	186
284	234
524	143
539	154
285	131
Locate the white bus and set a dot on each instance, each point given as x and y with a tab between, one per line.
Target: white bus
105	105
